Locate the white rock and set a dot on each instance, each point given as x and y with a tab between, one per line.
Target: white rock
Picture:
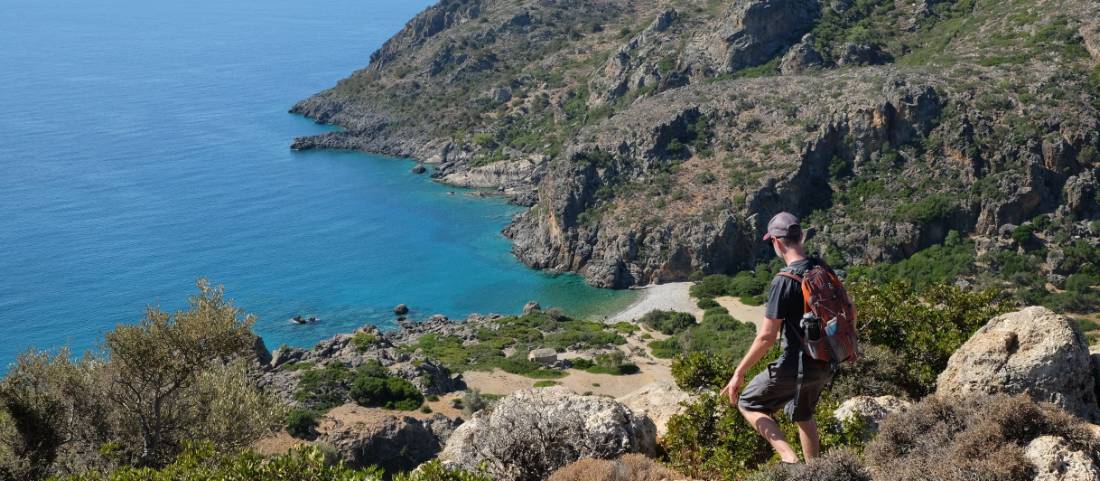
1056	461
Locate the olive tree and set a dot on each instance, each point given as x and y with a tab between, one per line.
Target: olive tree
155	367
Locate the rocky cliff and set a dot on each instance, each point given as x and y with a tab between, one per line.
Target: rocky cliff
653	140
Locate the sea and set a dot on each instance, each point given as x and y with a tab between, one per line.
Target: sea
144	145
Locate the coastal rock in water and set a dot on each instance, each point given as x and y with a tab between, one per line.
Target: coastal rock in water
1055	460
389	439
401	309
659	400
530	434
531	306
870	410
419	169
1032	351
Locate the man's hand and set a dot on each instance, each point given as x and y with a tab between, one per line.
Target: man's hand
733	387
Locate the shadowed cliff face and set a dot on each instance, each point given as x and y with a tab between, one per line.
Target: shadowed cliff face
654	141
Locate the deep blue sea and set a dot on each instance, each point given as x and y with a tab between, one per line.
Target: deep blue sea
144	144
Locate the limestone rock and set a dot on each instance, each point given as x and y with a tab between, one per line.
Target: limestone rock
531	306
871	410
1032	351
286	355
659	400
1056	461
390	439
801	57
529	434
543	356
751	32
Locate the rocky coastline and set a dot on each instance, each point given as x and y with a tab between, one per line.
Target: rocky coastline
647	153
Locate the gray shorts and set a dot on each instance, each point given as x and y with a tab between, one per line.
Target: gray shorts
777	387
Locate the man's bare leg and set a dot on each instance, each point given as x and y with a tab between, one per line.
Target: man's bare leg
769	429
811	442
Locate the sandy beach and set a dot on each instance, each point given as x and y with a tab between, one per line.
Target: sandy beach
673	296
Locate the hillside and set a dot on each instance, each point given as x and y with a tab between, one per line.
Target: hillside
652	140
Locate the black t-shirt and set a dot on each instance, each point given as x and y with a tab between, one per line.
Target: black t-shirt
785	303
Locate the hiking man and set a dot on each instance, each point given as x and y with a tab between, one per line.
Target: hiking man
795	381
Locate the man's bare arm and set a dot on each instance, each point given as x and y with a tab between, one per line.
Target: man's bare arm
765	339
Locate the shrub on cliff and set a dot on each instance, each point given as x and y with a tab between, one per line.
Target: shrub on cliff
975	438
920	327
156	385
387	392
300	423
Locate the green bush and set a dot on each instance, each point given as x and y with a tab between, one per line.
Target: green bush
700	370
387	392
665	348
667	322
545	383
363	340
324	388
614	363
300	423
581	363
921	327
707	303
434	470
201	461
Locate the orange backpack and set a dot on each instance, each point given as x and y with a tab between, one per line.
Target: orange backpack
823	295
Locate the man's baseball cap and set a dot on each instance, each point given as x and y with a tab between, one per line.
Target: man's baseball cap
784	225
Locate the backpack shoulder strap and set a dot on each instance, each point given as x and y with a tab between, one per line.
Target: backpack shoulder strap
791	275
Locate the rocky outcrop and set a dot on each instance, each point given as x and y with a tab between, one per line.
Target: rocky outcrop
870	411
659	401
1032	351
801	57
388	439
1055	460
529	434
752	32
646	156
428	375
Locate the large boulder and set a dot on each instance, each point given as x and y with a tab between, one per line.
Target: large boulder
1032	351
530	434
389	439
1056	460
871	411
659	400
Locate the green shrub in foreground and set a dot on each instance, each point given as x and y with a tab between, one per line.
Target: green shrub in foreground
202	462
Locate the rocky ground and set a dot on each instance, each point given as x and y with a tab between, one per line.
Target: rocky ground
532	432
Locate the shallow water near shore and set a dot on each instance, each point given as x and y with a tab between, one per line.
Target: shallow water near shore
145	144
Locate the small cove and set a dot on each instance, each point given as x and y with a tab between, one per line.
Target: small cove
145	144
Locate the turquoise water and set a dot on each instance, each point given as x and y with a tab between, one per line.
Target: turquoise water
144	144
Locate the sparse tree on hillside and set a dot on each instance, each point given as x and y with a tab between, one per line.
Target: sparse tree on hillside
155	363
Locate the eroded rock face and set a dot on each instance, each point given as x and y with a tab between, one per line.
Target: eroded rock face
1055	460
801	57
753	31
529	434
1032	351
870	410
390	439
659	400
